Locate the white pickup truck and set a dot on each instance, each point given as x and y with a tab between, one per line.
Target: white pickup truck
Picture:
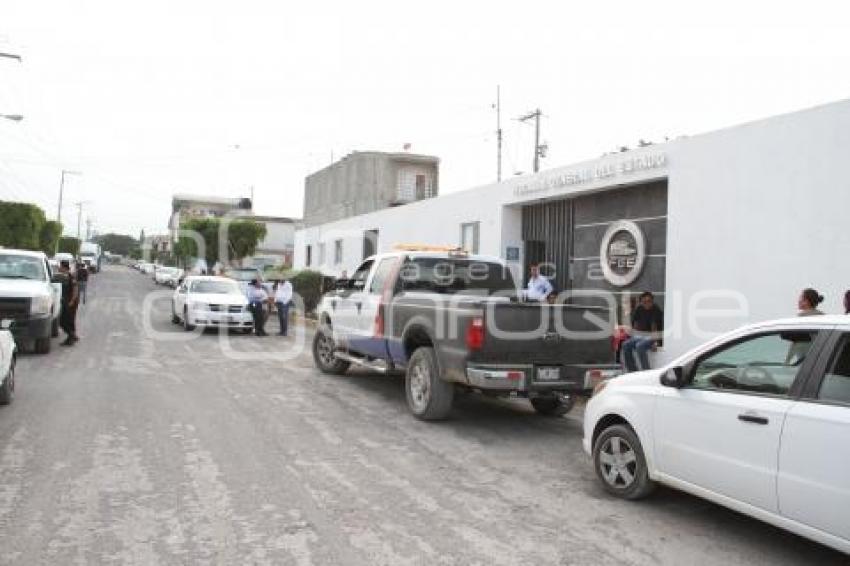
8	356
29	298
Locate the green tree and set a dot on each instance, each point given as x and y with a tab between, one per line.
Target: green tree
69	245
51	231
20	225
120	244
244	235
241	240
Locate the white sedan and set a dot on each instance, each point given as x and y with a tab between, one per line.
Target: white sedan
757	420
208	301
8	355
168	276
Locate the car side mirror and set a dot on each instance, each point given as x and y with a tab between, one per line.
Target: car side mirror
5	324
358	284
673	377
57	278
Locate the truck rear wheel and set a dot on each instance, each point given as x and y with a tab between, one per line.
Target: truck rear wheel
7	390
553	406
428	396
42	345
324	353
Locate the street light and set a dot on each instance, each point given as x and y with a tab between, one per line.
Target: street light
12	117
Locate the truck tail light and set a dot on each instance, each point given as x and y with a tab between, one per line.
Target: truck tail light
475	334
594	377
379	322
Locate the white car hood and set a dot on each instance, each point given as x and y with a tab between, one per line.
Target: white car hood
23	288
646	377
218	299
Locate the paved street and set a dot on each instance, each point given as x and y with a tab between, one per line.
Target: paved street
131	448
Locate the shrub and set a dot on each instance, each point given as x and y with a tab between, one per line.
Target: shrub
309	285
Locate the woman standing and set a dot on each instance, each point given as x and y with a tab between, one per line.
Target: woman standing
808	302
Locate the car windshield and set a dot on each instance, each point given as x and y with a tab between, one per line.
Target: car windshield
214	287
21	267
242	274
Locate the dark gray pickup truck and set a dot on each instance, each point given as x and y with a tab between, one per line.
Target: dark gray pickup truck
451	321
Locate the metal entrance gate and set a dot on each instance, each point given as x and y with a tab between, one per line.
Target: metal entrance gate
547	233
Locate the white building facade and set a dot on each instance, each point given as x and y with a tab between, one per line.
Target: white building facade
725	228
277	247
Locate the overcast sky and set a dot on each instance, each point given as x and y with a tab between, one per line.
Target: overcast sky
151	98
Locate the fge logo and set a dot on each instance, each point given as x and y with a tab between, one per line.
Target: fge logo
622	253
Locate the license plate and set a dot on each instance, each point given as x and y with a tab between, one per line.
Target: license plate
548	374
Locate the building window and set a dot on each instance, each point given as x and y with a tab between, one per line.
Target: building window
337	252
370	243
322	254
309	259
469	234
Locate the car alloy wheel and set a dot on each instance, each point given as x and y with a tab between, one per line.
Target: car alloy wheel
420	386
325	349
618	463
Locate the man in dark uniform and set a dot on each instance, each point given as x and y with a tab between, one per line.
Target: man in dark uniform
70	302
257	299
82	279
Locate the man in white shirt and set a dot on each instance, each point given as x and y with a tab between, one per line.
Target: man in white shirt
539	287
282	299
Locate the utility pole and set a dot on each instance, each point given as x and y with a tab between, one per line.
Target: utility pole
79	206
62	190
539	150
88	229
498	135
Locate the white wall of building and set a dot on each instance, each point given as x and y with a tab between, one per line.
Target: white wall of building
437	221
761	210
280	237
434	221
755	214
